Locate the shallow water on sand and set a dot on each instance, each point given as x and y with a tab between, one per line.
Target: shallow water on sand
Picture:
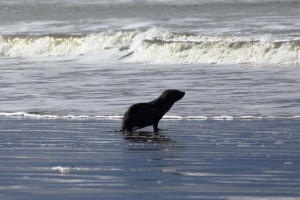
62	89
209	159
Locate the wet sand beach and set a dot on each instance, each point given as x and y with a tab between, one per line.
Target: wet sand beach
203	159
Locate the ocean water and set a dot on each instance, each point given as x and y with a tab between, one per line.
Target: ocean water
69	70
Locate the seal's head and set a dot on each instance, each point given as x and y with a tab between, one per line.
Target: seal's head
172	96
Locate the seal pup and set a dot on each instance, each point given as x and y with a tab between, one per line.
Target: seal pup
141	115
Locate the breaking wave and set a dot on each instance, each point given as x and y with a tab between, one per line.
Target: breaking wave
34	115
158	46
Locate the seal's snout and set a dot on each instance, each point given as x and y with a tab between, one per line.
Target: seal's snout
180	94
183	93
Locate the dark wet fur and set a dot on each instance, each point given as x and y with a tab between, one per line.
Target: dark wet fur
141	115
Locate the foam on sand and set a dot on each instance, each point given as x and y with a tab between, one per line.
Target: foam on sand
119	117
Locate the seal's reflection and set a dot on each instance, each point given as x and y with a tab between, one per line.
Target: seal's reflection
146	136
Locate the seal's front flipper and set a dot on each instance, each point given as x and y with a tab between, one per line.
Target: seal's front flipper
156	129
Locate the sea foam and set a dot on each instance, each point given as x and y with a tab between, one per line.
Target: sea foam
158	46
119	117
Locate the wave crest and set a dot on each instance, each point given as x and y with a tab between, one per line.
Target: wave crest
60	44
217	50
157	46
